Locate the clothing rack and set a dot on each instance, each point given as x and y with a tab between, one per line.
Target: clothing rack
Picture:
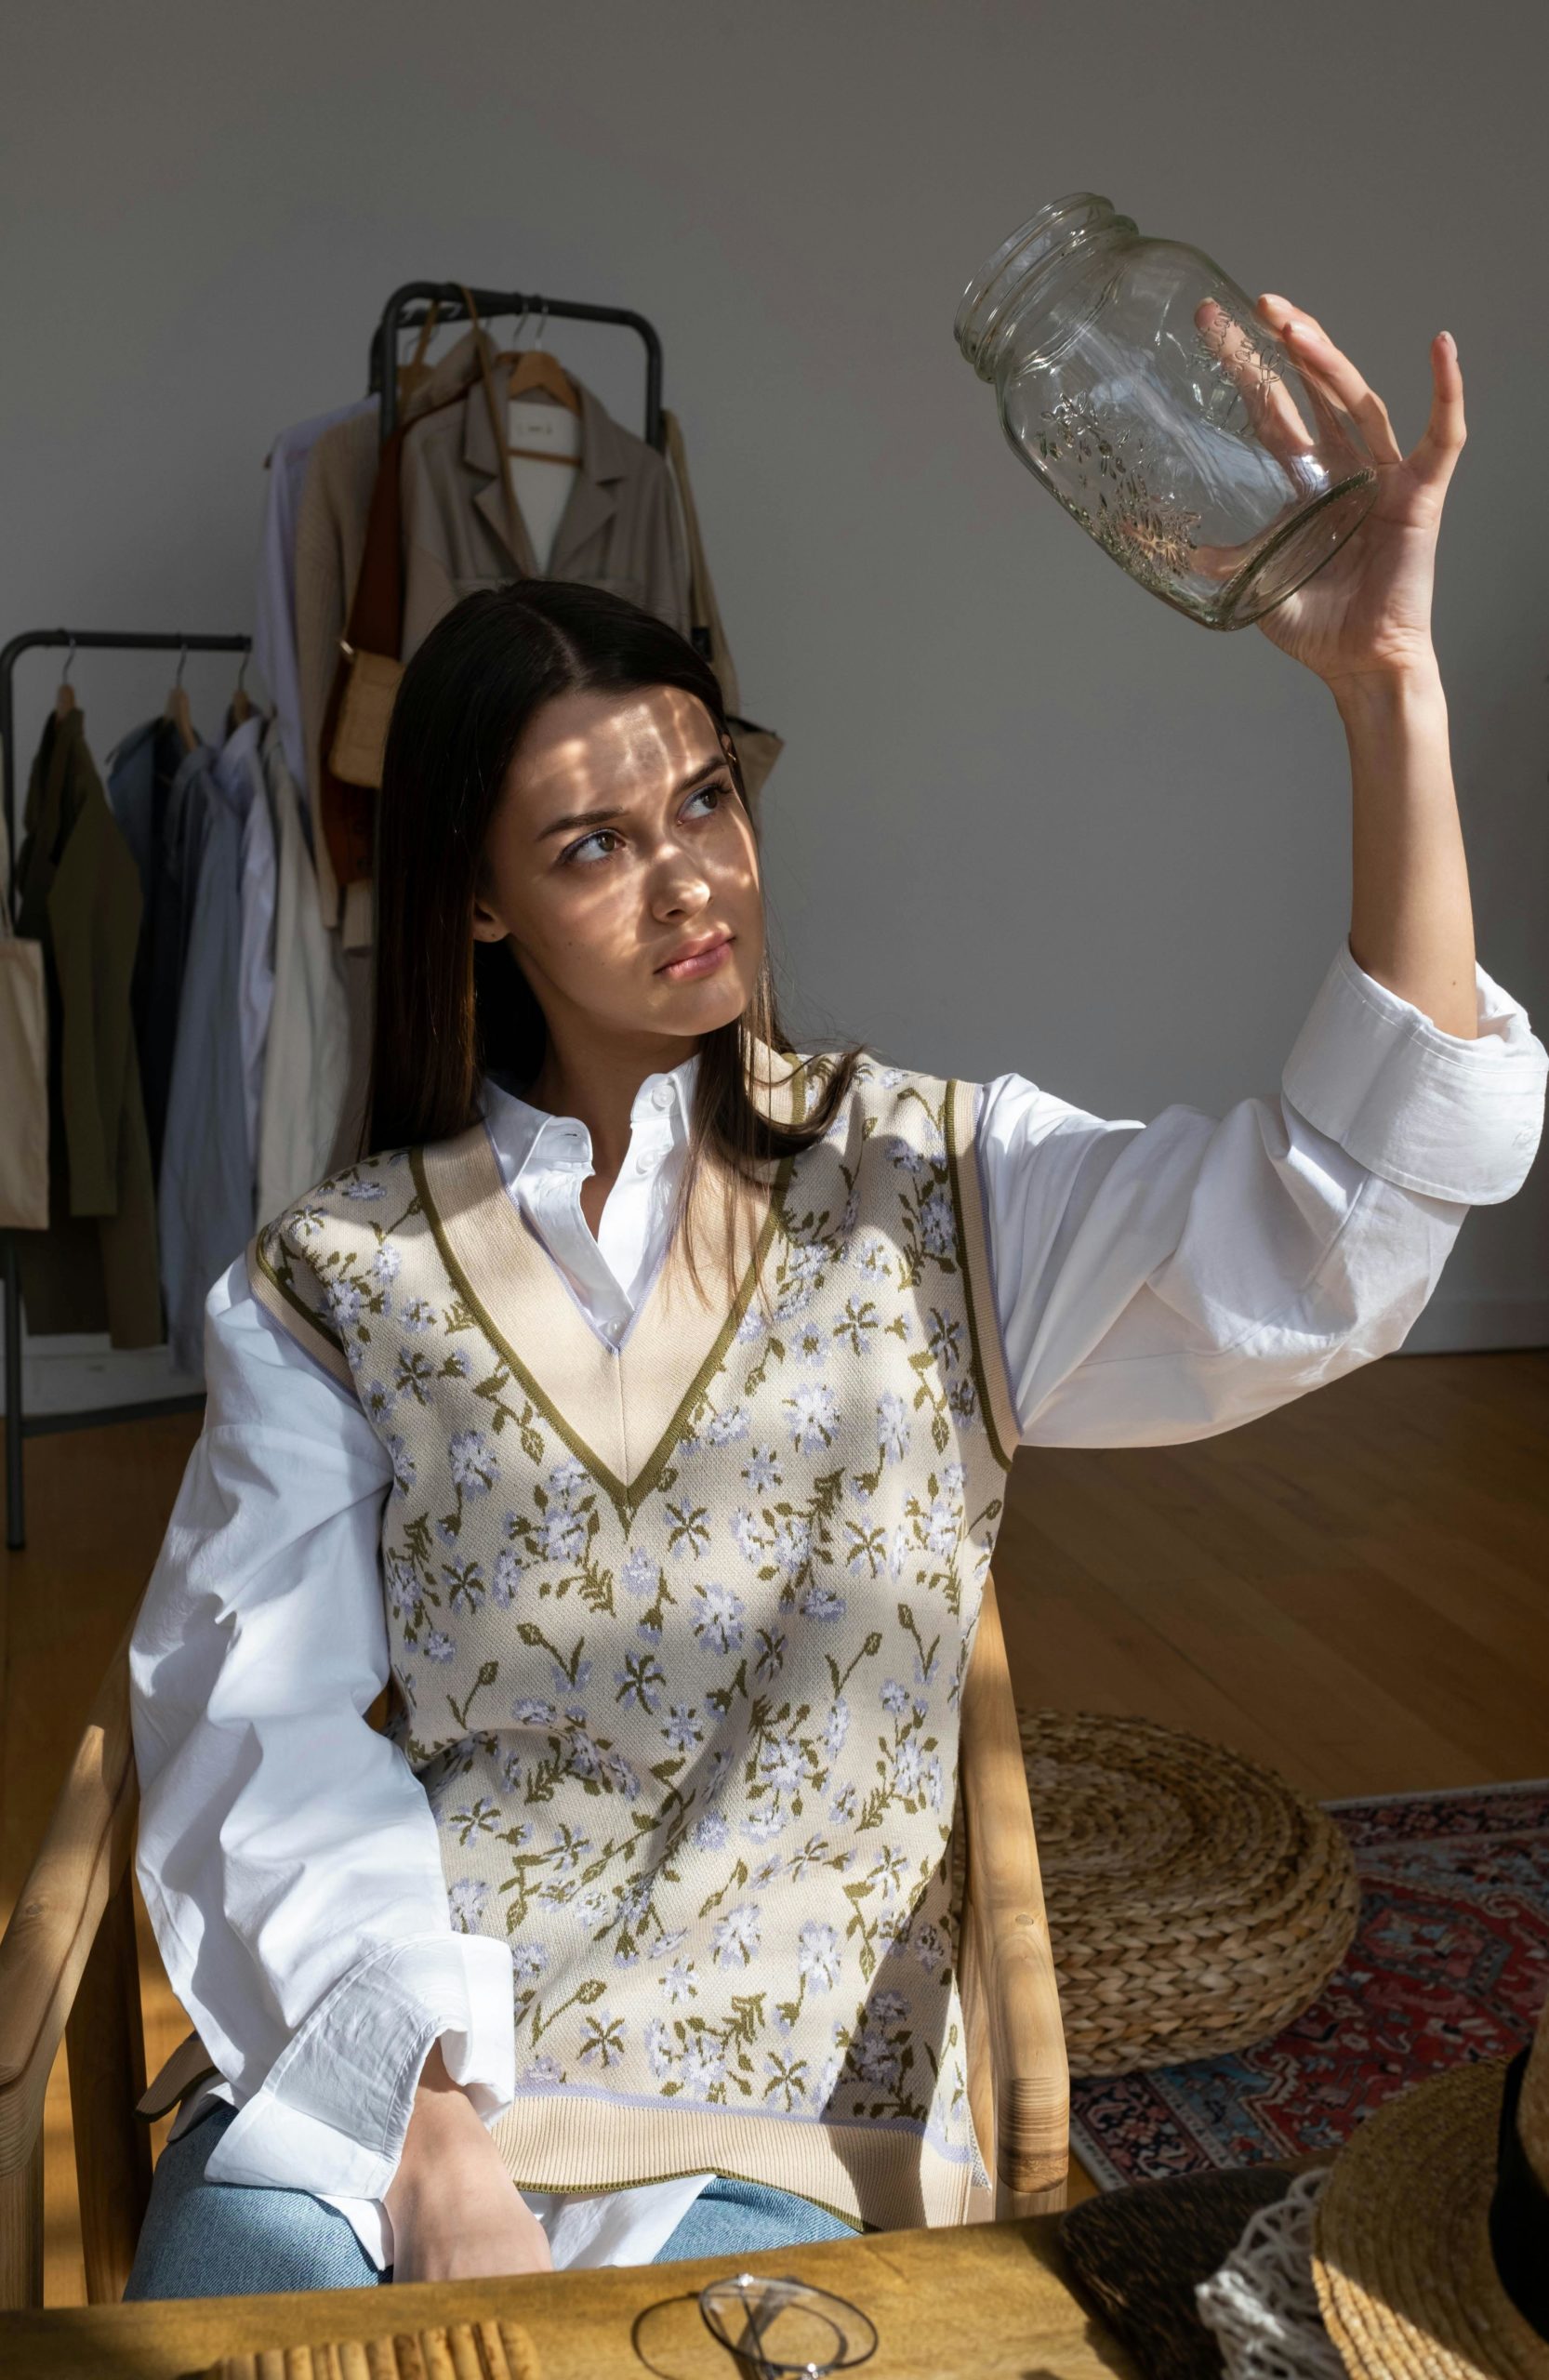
74	640
407	309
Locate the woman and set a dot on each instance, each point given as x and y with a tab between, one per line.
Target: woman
638	1412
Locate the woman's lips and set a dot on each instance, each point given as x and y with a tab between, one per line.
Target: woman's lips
703	965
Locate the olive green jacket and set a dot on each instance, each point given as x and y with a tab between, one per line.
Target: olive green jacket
79	894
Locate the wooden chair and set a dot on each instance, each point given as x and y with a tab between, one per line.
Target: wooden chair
69	1966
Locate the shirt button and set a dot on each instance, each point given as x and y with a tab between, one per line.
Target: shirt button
642	1163
660	1096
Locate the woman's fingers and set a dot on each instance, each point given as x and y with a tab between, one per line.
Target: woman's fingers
1310	343
1271	407
1435	459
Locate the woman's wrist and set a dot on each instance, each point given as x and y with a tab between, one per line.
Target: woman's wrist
1380	699
443	2113
1411	915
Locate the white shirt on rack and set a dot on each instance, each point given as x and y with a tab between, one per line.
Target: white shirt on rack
1155	1284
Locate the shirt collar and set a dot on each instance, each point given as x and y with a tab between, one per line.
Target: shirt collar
531	1142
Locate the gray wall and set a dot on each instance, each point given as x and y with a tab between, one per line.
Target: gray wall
1027	817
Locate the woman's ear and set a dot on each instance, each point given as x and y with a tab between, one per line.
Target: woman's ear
487	927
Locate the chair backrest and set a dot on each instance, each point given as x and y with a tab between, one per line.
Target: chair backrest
1018	2076
69	1968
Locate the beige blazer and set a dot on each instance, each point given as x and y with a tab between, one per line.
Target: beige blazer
620	528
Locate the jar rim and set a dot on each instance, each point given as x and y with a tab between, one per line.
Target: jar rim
1052	238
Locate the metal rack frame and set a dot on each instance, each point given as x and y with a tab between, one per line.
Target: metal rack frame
76	640
408	307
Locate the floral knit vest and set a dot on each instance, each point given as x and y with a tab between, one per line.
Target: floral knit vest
678	1633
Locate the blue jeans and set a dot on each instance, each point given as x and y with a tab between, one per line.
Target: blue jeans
221	2239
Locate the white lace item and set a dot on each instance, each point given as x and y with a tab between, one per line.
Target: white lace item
1261	2304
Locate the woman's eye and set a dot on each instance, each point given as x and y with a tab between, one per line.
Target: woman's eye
588	848
581	848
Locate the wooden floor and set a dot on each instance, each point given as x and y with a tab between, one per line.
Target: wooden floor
1354	1589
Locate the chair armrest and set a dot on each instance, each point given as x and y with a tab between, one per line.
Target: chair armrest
1003	1913
81	1862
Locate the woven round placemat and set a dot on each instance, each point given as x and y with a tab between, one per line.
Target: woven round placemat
1197	1903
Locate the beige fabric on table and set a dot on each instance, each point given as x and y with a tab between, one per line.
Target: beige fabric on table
330	535
620	529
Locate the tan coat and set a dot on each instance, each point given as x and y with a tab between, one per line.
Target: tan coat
620	528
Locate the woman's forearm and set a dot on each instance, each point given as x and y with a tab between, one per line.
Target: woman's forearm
1411	919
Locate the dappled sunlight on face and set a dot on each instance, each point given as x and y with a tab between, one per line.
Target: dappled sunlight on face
594	904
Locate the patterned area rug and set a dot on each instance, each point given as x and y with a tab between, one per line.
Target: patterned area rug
1450	1962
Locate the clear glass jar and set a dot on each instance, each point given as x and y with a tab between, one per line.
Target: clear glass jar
1136	382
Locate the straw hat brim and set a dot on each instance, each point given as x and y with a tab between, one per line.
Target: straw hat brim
1401	2255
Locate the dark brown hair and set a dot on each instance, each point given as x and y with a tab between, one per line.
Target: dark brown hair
449	1009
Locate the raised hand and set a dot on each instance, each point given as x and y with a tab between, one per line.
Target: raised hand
1367	611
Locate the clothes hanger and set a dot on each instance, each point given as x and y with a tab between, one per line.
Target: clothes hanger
413	375
242	701
178	709
534	371
64	701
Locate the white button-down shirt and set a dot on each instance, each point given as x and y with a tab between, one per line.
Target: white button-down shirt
547	1159
1154	1282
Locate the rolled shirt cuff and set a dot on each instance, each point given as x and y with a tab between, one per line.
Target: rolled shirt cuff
1455	1118
331	2114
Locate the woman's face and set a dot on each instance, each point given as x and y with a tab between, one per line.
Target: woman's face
594	906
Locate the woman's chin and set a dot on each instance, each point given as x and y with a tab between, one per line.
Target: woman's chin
709	999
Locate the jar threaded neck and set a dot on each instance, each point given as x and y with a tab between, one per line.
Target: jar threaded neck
1035	256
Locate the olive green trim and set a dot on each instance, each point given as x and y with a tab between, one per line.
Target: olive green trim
658	1461
277	1297
578	1445
626	1497
971	1284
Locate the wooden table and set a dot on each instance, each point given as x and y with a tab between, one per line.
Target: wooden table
985	2299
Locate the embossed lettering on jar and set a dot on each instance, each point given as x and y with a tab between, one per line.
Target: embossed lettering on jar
1136	382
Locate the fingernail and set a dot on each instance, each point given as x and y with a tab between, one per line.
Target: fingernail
1451	343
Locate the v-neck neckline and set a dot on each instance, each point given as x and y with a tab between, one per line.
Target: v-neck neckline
620	1408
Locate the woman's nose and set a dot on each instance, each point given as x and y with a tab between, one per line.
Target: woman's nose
678	886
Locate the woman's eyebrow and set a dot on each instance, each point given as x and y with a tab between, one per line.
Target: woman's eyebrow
600	817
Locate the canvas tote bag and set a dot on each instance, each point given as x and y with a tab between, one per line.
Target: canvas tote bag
24	1076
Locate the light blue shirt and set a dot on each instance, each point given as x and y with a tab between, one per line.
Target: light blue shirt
204	1194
